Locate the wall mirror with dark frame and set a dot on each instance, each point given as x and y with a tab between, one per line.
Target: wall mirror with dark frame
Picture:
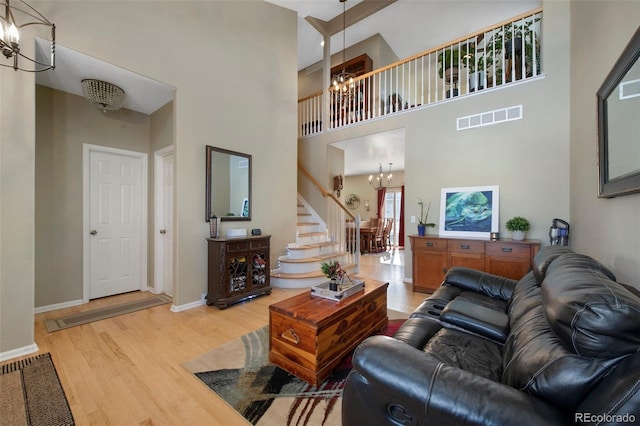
228	185
619	125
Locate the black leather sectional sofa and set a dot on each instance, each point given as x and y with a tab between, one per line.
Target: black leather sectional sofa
561	346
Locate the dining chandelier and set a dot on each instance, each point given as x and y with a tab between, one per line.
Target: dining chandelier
380	178
10	28
342	83
104	95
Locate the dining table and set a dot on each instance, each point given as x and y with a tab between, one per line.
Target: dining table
367	236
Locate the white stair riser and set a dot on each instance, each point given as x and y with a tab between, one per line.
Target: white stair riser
303	253
305	267
297	283
310	228
312	239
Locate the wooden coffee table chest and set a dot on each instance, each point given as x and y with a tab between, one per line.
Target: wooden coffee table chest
309	335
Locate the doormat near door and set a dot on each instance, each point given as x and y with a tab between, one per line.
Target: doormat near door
241	374
106	312
31	394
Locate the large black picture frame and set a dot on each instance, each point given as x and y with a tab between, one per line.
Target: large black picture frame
613	184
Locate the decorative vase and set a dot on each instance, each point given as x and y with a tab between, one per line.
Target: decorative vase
517	235
421	230
333	285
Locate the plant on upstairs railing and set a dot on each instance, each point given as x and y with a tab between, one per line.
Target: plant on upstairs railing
506	43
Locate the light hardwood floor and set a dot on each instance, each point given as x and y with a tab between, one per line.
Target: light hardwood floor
126	370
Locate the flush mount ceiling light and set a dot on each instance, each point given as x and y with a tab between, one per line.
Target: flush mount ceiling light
14	17
104	95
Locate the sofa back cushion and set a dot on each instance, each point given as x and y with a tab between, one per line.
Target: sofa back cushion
543	259
592	315
569	333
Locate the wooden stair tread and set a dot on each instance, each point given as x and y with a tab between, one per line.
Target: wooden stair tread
307	224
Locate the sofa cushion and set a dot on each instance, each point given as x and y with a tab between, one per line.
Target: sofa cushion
581	304
544	257
467	352
577	260
477	319
537	362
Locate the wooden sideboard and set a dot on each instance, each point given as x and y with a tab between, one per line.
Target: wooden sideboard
432	256
238	269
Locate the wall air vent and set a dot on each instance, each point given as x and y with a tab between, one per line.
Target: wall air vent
243	164
629	89
490	117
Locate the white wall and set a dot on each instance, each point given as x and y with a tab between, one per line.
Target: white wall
607	229
210	52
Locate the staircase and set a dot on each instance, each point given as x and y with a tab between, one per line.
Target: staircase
300	267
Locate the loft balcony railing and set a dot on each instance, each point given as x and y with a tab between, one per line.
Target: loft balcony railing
503	54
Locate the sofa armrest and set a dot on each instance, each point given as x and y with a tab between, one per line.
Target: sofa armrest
490	285
393	383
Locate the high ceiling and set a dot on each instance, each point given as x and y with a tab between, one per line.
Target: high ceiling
408	26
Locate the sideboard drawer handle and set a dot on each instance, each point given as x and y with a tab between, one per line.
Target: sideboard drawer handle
465	246
507	249
429	244
290	336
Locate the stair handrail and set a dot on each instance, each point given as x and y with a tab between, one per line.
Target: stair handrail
347	237
324	191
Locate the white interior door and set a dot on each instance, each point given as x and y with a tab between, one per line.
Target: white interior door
117	199
164	181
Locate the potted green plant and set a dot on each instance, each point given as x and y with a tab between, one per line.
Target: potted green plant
422	220
475	64
518	226
449	61
333	271
508	41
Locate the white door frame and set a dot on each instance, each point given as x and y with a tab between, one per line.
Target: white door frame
87	149
158	202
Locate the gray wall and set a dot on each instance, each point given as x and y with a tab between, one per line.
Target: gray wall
545	164
65	122
254	113
607	229
529	158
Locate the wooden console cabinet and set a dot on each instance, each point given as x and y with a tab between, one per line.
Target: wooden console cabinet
238	269
433	255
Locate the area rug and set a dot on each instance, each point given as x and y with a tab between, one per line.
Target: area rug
240	373
106	312
31	394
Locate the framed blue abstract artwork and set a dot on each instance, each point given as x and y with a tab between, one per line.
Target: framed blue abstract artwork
469	211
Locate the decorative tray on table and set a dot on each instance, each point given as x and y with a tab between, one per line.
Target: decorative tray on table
348	288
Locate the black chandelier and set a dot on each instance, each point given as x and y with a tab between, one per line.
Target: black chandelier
381	177
10	28
342	83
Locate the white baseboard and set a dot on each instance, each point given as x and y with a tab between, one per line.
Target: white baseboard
62	305
14	353
191	305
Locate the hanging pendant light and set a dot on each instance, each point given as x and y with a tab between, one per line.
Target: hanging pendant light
342	83
12	20
379	180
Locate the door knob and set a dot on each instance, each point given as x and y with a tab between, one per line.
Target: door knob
93	232
163	231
